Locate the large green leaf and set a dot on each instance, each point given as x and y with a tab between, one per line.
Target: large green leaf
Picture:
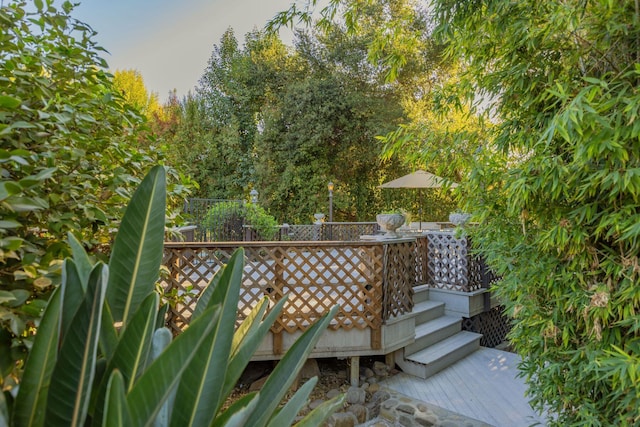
137	250
116	412
287	370
157	383
321	413
108	333
73	292
206	294
238	412
132	352
28	410
161	340
249	325
200	391
81	259
73	373
133	348
248	347
289	411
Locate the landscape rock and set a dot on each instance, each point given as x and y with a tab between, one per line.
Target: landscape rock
333	393
367	372
315	403
380	369
258	384
344	419
356	395
309	370
373	388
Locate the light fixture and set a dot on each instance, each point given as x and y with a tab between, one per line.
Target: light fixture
330	187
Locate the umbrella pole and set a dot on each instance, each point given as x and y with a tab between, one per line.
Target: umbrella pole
421	202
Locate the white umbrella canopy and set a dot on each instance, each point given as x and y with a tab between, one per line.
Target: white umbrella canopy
418	179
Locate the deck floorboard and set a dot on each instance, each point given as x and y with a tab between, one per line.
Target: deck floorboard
483	385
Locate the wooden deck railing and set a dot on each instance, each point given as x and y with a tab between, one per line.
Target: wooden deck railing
450	264
370	281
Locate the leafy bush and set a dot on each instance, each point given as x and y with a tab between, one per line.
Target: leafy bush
69	159
102	356
225	221
556	190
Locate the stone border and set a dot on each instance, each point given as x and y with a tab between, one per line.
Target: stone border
400	410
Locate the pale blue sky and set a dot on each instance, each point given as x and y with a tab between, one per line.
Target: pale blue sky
170	41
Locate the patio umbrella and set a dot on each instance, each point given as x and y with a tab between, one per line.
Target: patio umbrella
418	179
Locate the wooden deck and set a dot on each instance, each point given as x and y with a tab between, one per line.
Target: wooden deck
483	386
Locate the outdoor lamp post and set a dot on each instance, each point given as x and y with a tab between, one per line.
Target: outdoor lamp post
330	187
254	196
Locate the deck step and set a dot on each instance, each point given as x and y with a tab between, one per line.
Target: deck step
433	331
433	359
425	311
420	293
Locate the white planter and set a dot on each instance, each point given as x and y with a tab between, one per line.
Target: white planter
459	218
390	223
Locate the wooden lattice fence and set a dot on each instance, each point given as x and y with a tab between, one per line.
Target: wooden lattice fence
370	281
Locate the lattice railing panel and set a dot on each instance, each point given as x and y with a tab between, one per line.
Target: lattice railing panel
339	231
421	265
348	231
494	325
449	262
480	274
303	233
400	259
315	277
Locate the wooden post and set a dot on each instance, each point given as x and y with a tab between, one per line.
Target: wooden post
390	360
277	343
355	370
376	338
277	294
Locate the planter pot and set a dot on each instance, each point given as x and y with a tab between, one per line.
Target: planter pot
319	218
459	218
390	223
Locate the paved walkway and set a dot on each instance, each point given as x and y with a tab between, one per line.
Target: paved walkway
483	386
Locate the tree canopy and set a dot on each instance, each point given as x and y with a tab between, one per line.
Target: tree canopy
287	120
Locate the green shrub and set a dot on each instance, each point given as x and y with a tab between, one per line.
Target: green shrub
225	221
69	160
102	356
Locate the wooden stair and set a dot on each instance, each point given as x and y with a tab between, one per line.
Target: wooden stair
439	340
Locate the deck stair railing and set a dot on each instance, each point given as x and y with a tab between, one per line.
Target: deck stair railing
451	264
